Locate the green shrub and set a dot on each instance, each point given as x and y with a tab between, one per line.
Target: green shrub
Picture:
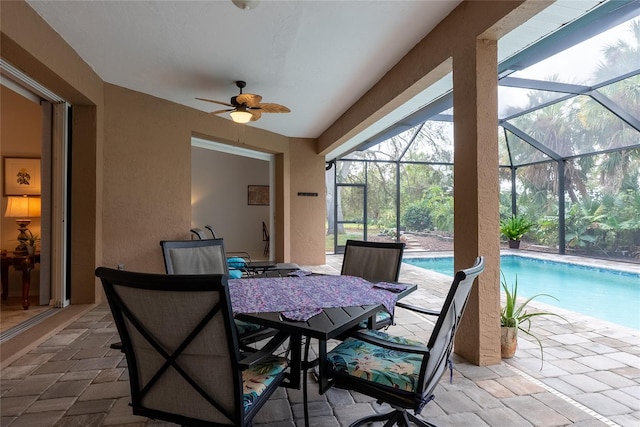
416	217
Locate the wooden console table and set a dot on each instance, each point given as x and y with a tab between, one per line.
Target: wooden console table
23	263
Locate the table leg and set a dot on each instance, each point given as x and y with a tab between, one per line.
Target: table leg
5	279
322	368
296	360
26	284
305	399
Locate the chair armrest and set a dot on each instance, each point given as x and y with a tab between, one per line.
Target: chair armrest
240	254
266	351
418	309
362	336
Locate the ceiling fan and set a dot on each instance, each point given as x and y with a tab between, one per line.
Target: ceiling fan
247	106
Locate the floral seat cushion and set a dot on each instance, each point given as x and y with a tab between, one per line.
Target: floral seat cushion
257	379
395	369
381	317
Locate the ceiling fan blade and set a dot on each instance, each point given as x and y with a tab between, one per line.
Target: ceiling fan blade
273	108
222	111
215	102
256	114
249	99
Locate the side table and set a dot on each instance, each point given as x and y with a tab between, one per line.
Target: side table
23	263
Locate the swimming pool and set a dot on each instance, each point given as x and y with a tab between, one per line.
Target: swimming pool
598	292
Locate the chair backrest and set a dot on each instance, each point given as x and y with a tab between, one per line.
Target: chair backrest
180	344
194	256
441	340
199	233
373	261
210	228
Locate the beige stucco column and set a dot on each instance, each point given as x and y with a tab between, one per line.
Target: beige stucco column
476	192
308	203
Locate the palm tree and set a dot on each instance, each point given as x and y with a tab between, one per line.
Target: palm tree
620	57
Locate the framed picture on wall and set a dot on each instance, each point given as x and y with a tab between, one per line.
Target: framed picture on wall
21	176
258	195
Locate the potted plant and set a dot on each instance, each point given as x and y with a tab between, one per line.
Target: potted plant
31	242
515	317
514	228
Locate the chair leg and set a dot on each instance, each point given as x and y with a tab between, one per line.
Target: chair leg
419	421
399	417
378	417
403	419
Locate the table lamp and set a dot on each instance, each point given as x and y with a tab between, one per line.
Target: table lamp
22	208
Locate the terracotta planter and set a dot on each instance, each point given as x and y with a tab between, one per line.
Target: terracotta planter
514	244
508	341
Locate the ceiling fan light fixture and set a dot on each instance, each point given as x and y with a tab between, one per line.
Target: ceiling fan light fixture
246	4
240	116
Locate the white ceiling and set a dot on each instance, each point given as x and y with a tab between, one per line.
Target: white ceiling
316	57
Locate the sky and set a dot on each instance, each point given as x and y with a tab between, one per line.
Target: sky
574	65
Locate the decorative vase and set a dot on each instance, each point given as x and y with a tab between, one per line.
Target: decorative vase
514	244
31	250
508	341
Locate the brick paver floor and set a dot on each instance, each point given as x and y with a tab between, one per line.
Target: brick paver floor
590	377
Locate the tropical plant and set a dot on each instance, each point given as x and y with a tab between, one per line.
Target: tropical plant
582	223
32	239
514	315
515	227
440	204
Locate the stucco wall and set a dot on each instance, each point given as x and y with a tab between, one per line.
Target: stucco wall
148	170
147	179
308	212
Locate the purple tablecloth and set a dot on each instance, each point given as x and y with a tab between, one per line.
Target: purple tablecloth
300	298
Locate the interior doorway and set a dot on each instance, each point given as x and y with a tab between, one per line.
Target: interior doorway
232	189
34	127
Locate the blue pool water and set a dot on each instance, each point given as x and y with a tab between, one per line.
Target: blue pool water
598	292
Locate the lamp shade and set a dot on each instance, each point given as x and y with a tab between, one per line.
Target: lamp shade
240	116
23	207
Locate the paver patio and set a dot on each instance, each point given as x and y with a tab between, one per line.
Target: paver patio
590	377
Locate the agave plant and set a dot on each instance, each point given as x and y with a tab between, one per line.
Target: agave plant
516	315
515	227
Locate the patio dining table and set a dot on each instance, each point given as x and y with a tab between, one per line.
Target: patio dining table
316	306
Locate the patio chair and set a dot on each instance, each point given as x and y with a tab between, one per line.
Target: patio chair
422	366
210	228
188	256
236	260
198	233
375	262
265	238
208	257
186	368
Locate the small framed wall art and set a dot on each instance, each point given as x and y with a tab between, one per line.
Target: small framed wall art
258	195
21	176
